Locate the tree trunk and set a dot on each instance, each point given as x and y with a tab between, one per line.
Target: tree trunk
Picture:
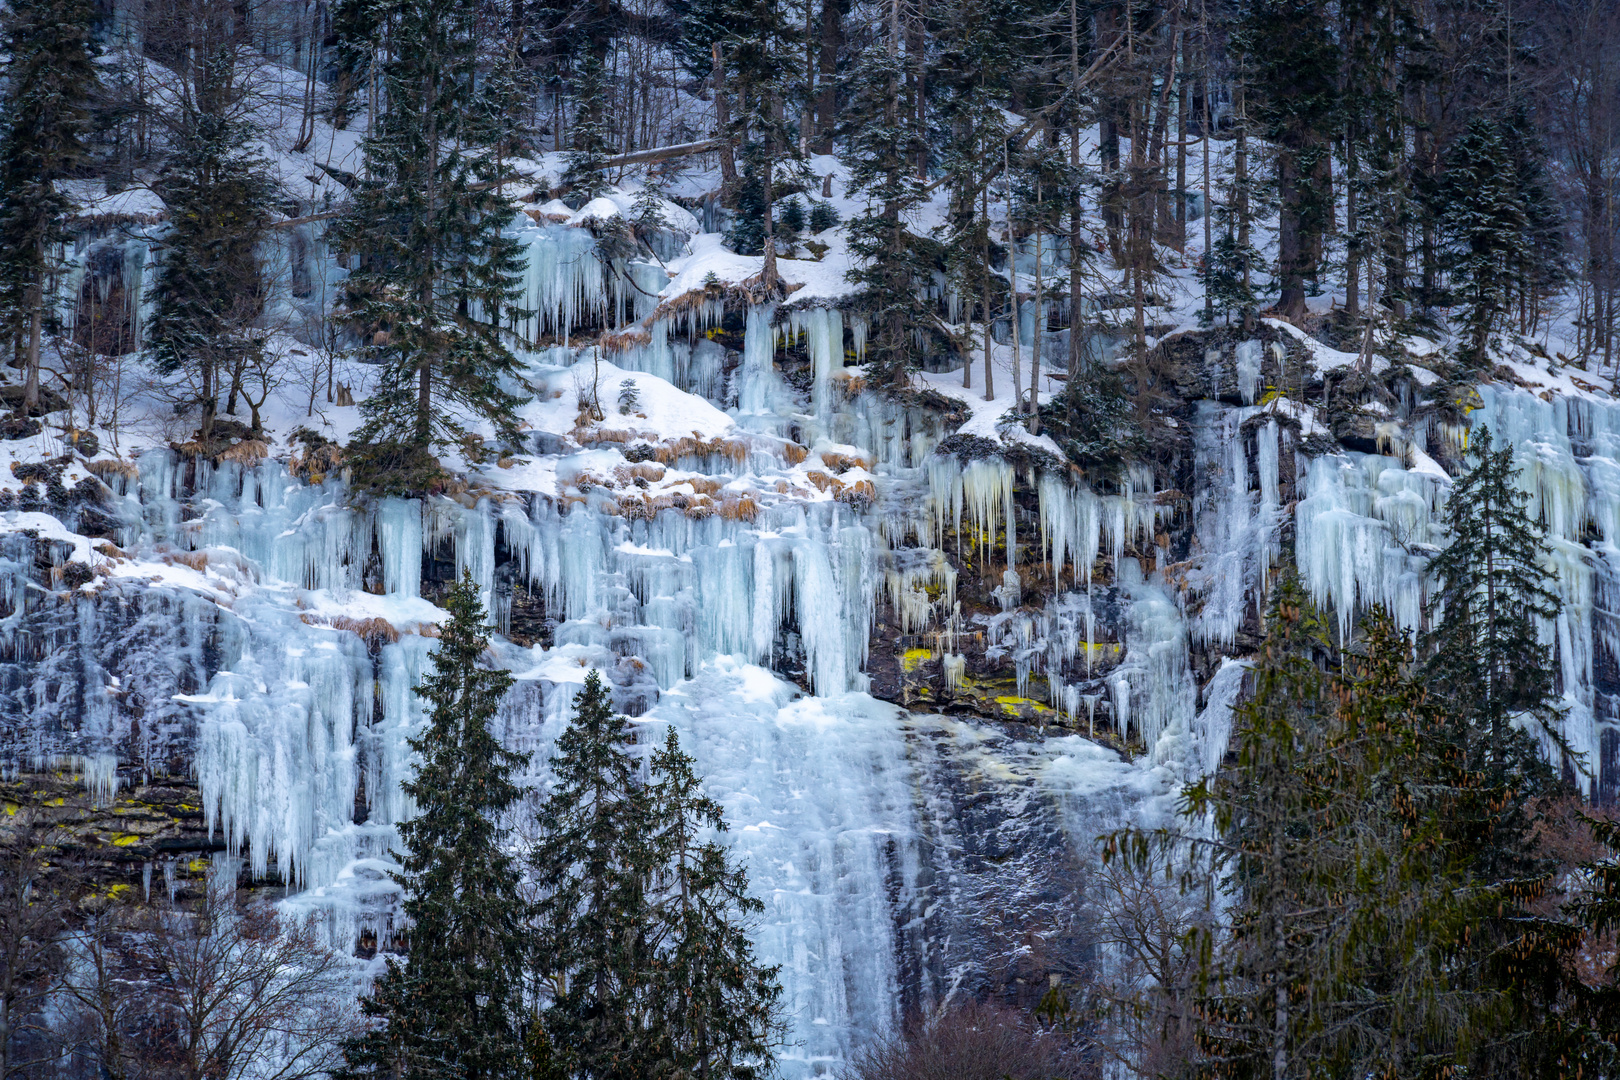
722	123
767	273
210	403
989	374
1352	254
1292	243
35	312
1012	296
832	42
1178	234
1037	336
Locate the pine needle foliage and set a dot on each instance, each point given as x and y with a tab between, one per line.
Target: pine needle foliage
1486	662
642	944
595	859
454	1007
882	145
718	1007
1484	653
1330	838
1269	810
50	75
437	279
1590	1028
1487	228
211	284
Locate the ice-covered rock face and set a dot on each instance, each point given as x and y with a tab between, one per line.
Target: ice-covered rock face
778	564
264	635
1369	522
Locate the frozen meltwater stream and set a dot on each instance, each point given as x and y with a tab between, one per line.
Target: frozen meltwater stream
265	634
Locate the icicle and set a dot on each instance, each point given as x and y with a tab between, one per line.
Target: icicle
564	280
1248	369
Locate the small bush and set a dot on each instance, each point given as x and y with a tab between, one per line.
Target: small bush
969	1041
822	217
629	398
791	217
1094	422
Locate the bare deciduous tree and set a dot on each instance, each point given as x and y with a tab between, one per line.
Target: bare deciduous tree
968	1041
245	991
36	895
1145	971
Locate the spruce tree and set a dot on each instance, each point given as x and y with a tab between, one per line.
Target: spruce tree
757	54
717	1007
454	1008
50	78
1291	62
881	145
437	279
210	287
1484	653
1486	228
1588	1039
1352	893
975	134
1395	988
1224	273
1268	810
1486	663
585	178
595	859
1540	270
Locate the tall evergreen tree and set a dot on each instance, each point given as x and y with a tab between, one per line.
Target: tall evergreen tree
1486	227
1484	653
1223	274
437	279
972	150
1269	812
1588	1041
1487	664
595	860
641	944
1291	60
584	177
717	1006
1384	51
1352	897
210	287
1540	270
454	1008
881	145
1397	997
50	78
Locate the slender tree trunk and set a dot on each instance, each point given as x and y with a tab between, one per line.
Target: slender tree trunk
1108	33
832	42
767	272
1076	233
210	399
1240	192
1038	337
36	305
1209	133
1178	235
1012	294
1352	246
989	373
722	123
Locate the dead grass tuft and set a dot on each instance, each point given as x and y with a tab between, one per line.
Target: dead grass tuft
739	508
